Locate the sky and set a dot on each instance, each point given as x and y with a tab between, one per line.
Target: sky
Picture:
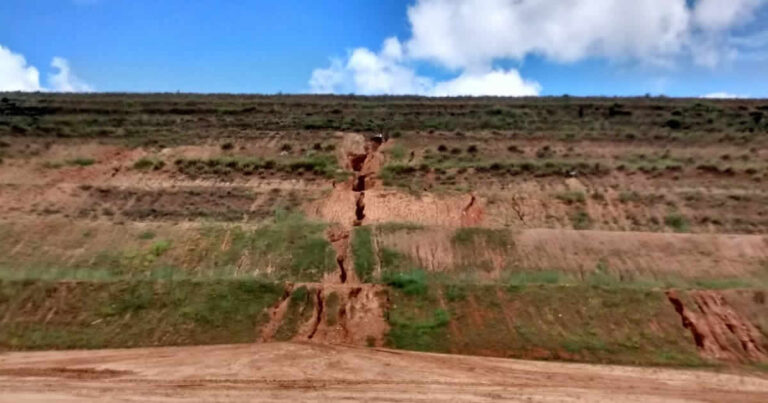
692	48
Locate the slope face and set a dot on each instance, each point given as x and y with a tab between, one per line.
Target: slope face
621	230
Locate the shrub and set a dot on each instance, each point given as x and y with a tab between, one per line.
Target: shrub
146	235
673	124
412	282
571	197
397	152
677	222
144	164
160	247
83	162
581	220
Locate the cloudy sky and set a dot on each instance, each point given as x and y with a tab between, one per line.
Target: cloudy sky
428	47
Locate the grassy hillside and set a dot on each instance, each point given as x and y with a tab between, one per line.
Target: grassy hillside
621	230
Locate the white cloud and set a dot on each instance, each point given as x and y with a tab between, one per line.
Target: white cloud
496	82
368	73
64	80
387	72
470	36
724	14
722	95
329	80
465	34
16	75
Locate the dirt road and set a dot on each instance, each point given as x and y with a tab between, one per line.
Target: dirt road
300	372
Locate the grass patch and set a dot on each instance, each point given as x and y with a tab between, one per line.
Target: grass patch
286	248
677	222
581	220
474	236
362	253
413	282
419	331
518	280
323	165
46	315
397	152
393	261
80	161
300	309
146	164
146	235
389	227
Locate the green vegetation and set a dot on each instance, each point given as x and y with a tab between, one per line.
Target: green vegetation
413	282
323	165
288	248
132	313
146	164
564	322
362	253
398	226
397	152
83	162
581	220
474	248
393	261
487	237
517	280
79	161
146	235
300	309
677	222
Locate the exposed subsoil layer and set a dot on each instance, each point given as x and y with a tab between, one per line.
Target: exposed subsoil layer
340	314
571	190
297	371
719	331
357	313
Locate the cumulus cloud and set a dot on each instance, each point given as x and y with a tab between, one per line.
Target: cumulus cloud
64	80
469	36
387	72
496	82
722	95
465	34
16	75
724	14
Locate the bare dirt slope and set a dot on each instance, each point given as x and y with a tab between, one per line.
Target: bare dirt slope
282	371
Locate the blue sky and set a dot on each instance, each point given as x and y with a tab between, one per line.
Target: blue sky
432	47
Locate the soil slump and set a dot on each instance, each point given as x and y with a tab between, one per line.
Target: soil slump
341	313
719	331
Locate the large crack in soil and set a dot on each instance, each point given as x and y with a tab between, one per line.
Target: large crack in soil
718	330
359	209
318	313
356	312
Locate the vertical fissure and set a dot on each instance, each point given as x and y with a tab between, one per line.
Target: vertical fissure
319	313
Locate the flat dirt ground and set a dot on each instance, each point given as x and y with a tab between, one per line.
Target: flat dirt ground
311	372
